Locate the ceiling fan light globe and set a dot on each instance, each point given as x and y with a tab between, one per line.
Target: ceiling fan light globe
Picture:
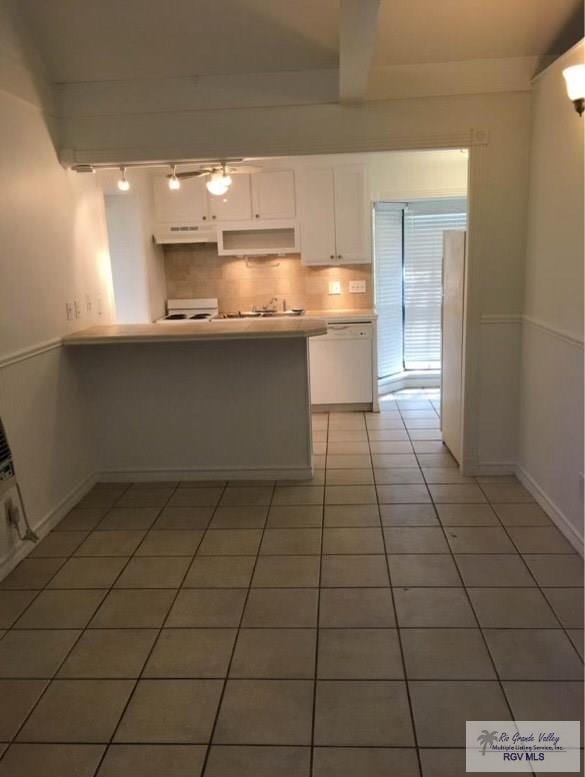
218	184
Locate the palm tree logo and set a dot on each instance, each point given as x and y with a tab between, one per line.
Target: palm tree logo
487	738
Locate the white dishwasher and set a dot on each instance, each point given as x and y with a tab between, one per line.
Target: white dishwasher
341	364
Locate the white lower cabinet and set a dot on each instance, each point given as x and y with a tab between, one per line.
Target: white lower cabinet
341	364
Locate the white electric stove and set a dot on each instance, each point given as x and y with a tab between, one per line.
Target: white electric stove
190	310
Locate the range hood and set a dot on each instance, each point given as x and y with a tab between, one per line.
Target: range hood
185	233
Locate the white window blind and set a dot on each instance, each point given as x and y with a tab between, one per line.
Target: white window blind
388	256
424	223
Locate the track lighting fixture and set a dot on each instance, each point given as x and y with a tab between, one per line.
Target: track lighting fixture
123	182
575	82
174	182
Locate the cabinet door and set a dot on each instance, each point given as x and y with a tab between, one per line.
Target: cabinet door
351	215
183	206
315	200
235	204
273	194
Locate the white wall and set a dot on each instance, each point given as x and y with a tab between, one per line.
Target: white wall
53	250
551	398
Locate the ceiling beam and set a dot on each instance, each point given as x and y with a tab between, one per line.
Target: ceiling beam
357	36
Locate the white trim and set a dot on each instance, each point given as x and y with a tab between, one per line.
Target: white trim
44	526
156	474
560	334
409	379
551	509
30	351
497	318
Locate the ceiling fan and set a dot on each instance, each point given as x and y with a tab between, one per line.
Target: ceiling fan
219	175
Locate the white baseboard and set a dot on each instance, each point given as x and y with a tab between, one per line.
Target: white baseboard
410	379
154	475
19	551
551	509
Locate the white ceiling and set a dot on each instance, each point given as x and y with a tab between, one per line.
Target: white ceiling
97	40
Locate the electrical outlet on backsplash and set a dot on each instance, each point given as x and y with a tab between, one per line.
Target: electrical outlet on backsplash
197	271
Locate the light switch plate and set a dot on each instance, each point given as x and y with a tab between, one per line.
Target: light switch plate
334	287
357	287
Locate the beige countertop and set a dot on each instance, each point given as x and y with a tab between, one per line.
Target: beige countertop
192	331
367	314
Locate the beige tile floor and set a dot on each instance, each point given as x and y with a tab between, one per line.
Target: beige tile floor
342	627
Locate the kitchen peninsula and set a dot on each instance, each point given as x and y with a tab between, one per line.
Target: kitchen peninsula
199	400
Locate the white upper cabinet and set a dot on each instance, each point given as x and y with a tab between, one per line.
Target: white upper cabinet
316	204
273	194
183	206
235	204
333	212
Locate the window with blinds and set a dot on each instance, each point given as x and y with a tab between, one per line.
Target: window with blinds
408	240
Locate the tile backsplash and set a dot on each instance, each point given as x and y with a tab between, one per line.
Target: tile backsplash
239	283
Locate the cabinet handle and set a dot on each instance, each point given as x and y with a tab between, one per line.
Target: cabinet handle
204	218
339	256
213	217
331	256
257	215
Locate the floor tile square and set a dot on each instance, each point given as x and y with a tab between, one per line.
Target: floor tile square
291	542
456	493
445	476
239	517
511	608
350	477
275	653
479	539
354	571
403	494
443	459
356	608
129	519
88	573
145	497
347	435
81	519
277	712
207	608
350	495
576	637
61	610
297	516
180	711
545	700
20	655
522	514
391	446
17	698
184	518
446	654
247	495
287	572
348	447
58	544
36	760
423	569
32	574
349	461
258	761
153	761
533	654
281	608
448	762
381	434
133	609
109	543
494	570
398	476
409	515
220	572
415	539
109	653
390	460
506	492
170	543
352	540
346	421
539	539
12	604
352	515
440	709
467	515
298	495
567	604
195	497
362	713
230	542
556	570
82	711
364	761
429	607
151	572
191	653
359	654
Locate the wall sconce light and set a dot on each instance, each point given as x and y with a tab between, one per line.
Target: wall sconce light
575	82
